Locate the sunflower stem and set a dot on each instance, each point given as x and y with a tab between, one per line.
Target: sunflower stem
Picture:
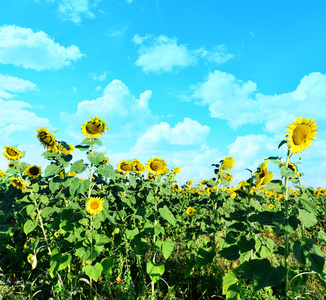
286	206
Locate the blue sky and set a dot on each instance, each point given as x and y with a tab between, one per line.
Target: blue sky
188	81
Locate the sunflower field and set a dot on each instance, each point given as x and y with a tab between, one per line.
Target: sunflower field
87	230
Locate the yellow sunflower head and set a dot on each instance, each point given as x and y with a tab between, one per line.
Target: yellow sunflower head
227	163
300	134
94	205
18	183
190	211
176	171
47	139
104	161
270	206
291	166
261	173
94	127
137	166
125	166
33	171
150	176
3	174
226	176
156	166
269	193
189	183
166	171
11	153
62	149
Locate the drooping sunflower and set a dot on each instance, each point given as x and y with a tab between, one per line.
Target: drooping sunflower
104	161
11	153
62	149
190	211
94	205
227	163
18	183
176	171
94	127
261	173
137	166
47	139
156	165
300	134
125	166
189	183
33	171
291	166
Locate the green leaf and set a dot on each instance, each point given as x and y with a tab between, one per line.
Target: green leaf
52	169
94	272
150	198
47	211
167	248
107	264
30	209
84	186
228	280
272	276
263	218
248	269
234	292
167	215
82	148
310	255
282	143
230	253
155	271
107	170
265	249
55	184
132	181
307	219
275	185
204	257
95	158
245	245
130	234
78	166
74	184
58	261
30	225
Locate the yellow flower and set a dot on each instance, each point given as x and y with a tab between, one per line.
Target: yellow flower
261	173
268	178
104	161
270	206
33	171
11	153
150	176
3	174
291	166
137	166
94	205
156	165
166	171
227	163
94	127
189	183
62	149
125	166
226	176
279	196
190	211
176	171
269	193
300	134
47	139
18	183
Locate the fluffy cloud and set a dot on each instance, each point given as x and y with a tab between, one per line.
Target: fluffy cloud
14	117
126	115
239	103
10	84
164	54
75	10
34	50
100	77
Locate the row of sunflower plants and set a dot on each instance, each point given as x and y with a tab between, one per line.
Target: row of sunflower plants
121	235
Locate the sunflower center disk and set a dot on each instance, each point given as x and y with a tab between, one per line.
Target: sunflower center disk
301	134
156	165
11	152
34	171
94	205
125	167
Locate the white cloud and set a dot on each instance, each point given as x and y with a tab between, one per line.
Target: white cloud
14	117
100	77
75	10
164	54
34	50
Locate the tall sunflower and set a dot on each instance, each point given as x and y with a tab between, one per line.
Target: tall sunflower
11	153
125	166
94	205
47	139
18	183
227	163
33	171
156	165
300	134
94	127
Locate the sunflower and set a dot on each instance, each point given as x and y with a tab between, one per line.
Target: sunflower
166	171
150	176
176	171
94	127
268	178
300	134
226	176
261	173
189	183
94	205
125	166
62	149
33	171
104	161
3	174
270	206
227	163
291	166
156	165
11	153
190	211
47	139
18	183
269	193
137	166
